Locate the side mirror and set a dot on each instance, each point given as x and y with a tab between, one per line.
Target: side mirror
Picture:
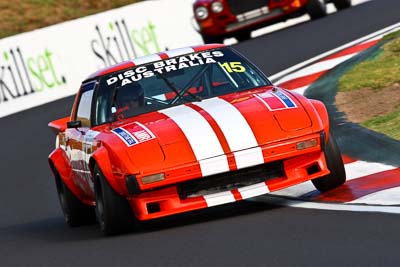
74	124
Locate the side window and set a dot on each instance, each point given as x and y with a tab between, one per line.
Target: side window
85	105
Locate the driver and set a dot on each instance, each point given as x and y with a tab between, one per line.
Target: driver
128	98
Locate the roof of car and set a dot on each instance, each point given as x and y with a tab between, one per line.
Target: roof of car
153	57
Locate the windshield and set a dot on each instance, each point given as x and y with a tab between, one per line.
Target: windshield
174	81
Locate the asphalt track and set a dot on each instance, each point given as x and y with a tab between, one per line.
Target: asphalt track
32	231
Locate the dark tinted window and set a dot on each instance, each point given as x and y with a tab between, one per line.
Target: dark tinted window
182	79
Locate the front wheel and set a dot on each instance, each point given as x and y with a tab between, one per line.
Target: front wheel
316	9
113	211
342	4
75	212
334	161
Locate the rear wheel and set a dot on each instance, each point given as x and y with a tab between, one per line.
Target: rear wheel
334	161
342	4
75	212
113	211
316	9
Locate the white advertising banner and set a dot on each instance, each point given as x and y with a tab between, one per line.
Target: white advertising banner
50	63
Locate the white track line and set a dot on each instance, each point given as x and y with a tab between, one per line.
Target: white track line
328	206
360	169
354	170
301	65
385	197
315	68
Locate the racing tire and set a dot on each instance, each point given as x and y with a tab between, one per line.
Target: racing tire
342	4
244	36
316	9
212	39
75	212
334	161
113	211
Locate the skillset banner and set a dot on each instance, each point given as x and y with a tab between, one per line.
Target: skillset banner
50	63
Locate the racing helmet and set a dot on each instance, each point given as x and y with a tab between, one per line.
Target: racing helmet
130	95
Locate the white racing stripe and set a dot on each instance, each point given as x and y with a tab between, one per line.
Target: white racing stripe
201	137
354	170
232	123
179	51
146	59
236	130
219	198
248	157
228	197
253	190
214	165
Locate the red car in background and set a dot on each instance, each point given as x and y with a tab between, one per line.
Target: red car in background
219	19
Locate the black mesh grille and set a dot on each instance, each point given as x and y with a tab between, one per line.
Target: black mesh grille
241	6
231	180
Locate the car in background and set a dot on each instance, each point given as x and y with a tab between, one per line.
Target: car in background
183	130
219	19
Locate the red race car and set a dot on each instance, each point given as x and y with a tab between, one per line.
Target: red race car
219	19
183	130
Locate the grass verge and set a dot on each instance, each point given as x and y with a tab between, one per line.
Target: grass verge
388	124
379	73
27	15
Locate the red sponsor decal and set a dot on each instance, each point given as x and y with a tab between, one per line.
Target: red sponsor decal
139	132
142	135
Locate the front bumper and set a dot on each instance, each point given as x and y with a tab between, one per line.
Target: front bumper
295	167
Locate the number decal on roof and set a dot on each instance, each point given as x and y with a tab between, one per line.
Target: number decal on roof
233	67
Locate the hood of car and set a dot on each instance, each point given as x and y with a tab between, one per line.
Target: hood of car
212	127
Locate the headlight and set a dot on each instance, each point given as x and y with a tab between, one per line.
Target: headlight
201	12
153	178
307	144
217	7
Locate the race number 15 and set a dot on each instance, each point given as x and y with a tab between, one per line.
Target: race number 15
233	67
